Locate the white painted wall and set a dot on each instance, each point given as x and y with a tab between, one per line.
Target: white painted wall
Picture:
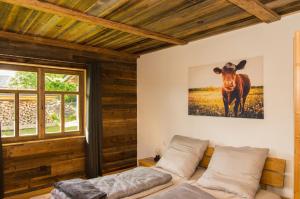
163	92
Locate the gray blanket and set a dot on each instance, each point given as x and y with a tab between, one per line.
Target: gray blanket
80	189
184	191
125	184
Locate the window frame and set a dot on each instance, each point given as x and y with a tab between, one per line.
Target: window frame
41	70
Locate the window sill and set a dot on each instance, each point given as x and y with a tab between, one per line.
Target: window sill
43	140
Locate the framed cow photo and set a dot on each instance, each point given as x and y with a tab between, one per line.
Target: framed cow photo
233	88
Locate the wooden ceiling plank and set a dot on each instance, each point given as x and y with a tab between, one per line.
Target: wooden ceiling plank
225	28
41	21
207	24
63	25
29	23
258	9
54	9
279	3
236	16
57	43
144	44
160	21
91	34
72	34
176	19
11	17
154	11
218	30
219	24
107	40
181	20
24	20
4	13
136	15
192	28
184	16
149	14
110	7
97	9
52	22
127	39
215	31
96	38
290	8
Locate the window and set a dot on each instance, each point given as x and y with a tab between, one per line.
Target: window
40	102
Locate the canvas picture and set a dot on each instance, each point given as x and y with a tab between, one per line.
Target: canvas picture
233	88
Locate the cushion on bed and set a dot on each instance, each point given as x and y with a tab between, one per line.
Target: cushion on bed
183	155
235	170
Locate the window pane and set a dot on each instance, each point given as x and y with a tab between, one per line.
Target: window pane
53	113
27	114
61	82
71	113
7	114
18	80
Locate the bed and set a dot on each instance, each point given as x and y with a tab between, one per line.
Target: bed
272	172
176	180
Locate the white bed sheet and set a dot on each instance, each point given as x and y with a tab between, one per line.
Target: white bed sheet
261	194
176	180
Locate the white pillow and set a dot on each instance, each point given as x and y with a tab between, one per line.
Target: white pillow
235	170
183	155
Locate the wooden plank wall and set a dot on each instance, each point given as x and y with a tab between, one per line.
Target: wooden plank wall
119	112
35	165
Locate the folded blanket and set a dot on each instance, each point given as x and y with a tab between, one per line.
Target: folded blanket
184	191
79	189
130	182
124	184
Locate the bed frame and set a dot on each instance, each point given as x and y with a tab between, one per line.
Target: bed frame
273	173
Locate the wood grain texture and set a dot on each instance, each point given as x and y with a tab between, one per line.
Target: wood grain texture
29	166
224	20
256	8
60	11
32	194
273	173
119	113
57	43
24	52
297	115
181	19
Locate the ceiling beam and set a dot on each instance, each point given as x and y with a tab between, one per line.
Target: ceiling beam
72	14
57	43
257	9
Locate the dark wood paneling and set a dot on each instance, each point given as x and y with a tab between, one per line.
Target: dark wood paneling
36	165
33	165
49	54
119	112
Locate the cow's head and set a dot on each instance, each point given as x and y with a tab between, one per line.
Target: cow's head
229	74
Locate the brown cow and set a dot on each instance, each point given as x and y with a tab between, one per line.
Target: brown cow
235	86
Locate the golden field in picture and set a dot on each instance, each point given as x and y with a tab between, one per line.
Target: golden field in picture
209	102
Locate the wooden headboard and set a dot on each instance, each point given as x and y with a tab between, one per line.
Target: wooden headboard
273	173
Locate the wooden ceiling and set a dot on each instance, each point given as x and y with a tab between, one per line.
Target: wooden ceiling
128	28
